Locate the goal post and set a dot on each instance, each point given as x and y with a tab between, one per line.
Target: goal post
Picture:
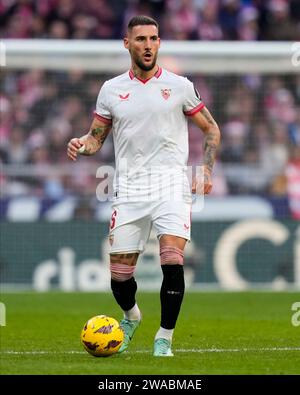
190	57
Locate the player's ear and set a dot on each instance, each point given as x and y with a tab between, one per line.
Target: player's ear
126	42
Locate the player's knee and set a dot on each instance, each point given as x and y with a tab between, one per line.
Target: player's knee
171	255
121	272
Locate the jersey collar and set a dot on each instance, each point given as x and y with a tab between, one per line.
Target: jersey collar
157	75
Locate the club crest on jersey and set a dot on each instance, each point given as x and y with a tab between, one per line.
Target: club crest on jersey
166	93
124	97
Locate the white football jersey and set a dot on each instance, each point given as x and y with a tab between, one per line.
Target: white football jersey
150	133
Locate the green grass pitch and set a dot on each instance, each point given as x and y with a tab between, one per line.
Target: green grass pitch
217	333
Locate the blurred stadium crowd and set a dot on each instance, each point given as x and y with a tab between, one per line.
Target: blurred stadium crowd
179	19
259	115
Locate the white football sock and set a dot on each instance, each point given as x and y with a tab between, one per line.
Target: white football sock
133	314
163	333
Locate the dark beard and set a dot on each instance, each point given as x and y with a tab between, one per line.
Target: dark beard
143	67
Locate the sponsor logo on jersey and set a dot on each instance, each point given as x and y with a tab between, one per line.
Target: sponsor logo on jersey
166	93
124	97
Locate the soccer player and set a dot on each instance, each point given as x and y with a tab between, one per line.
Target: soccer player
147	109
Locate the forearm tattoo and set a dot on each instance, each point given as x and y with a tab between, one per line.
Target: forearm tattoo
208	117
210	149
95	139
100	133
91	146
211	141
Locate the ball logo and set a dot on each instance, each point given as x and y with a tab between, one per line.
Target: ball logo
105	329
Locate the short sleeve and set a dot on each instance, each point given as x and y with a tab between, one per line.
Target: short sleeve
102	111
192	101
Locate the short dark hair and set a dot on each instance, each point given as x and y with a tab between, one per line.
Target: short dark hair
141	20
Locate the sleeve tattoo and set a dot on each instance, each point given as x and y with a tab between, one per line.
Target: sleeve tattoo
100	133
211	142
95	139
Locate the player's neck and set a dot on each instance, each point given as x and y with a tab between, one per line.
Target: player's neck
142	74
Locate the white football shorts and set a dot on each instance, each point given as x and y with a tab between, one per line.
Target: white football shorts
131	223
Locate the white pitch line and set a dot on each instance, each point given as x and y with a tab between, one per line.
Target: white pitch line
193	350
209	350
12	352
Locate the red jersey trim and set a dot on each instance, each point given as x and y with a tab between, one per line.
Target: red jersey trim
195	110
157	75
131	75
143	81
107	121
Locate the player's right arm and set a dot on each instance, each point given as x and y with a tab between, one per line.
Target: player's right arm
92	141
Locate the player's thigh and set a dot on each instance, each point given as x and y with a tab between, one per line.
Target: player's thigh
172	222
130	238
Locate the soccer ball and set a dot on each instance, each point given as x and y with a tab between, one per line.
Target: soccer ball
102	336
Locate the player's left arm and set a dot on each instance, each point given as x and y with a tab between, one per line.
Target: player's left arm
204	120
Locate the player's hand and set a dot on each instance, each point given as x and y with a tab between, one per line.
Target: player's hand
207	181
203	183
73	146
